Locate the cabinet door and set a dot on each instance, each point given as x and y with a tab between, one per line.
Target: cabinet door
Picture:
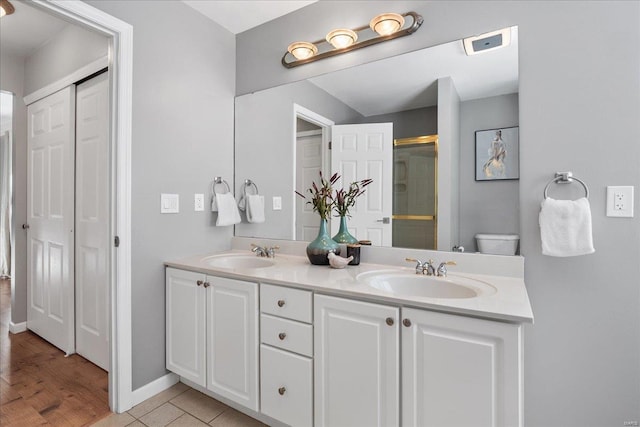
356	363
186	325
232	331
460	371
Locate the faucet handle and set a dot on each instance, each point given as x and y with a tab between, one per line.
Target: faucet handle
271	252
419	264
442	268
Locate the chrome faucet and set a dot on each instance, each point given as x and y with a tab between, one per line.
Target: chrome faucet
442	268
423	267
264	252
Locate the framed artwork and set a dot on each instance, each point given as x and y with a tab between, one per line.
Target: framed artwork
497	154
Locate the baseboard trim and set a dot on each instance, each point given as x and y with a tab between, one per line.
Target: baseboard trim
141	394
16	328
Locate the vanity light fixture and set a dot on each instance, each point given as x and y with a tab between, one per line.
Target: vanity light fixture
386	26
488	41
6	8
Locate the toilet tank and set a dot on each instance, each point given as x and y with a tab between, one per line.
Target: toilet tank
497	244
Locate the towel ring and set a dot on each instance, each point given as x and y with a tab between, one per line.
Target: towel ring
248	184
565	178
218	180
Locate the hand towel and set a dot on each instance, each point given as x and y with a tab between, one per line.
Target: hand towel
255	208
227	209
565	227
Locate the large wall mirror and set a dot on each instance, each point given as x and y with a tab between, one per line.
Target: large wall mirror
426	194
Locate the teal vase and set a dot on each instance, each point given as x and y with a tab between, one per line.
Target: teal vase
343	235
318	250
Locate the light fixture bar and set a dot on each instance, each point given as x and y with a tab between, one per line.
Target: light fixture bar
417	22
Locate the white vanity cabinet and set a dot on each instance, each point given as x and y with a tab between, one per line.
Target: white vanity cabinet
286	354
460	371
212	333
357	363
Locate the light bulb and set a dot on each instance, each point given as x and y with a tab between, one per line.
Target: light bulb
302	50
386	23
342	38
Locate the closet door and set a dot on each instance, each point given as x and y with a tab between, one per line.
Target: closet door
92	220
50	188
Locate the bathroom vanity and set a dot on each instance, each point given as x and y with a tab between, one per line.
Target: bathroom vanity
375	344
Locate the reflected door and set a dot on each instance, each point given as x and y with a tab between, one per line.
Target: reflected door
308	163
50	251
359	152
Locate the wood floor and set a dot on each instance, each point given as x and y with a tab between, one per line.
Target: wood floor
39	386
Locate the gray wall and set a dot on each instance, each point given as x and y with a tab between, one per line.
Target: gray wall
264	131
183	90
70	49
410	123
486	206
12	80
579	107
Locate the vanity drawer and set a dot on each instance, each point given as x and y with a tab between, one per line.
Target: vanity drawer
291	303
286	389
286	334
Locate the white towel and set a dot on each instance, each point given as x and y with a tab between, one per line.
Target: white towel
227	209
255	208
565	227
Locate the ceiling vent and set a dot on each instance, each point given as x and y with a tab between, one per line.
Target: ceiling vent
487	42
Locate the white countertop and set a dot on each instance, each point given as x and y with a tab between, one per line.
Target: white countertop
510	301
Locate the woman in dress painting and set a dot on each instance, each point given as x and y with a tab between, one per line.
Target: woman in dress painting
497	152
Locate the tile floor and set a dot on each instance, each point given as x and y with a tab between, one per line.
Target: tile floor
179	405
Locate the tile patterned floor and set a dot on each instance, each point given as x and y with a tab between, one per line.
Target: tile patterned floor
179	405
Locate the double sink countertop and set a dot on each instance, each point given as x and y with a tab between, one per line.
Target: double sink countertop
498	297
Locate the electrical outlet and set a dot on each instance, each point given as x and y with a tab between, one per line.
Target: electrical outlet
620	201
277	203
198	202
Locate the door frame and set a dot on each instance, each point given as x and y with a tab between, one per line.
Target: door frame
120	36
300	112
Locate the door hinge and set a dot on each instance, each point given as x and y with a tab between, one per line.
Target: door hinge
116	241
329	145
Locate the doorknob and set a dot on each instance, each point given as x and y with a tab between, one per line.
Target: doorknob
385	220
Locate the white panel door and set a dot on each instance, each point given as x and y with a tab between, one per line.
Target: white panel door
356	357
232	332
50	215
460	371
309	154
186	322
92	220
366	151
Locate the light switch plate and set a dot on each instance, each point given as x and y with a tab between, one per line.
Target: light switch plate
620	201
277	203
169	203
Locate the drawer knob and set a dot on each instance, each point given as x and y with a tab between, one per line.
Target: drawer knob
280	303
406	322
281	390
199	282
390	321
282	336
206	284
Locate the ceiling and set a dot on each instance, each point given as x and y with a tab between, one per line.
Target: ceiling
240	15
409	81
27	29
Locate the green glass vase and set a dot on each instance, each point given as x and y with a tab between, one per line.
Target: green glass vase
318	249
343	235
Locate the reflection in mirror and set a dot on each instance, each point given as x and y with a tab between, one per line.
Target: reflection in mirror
6	119
438	91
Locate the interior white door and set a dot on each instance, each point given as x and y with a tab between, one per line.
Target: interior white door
366	151
50	188
309	153
92	220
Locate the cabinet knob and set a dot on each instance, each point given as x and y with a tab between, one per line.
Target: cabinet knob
206	284
282	336
199	282
390	321
406	322
280	302
281	390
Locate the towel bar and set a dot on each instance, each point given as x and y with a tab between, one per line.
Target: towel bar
565	178
218	180
248	184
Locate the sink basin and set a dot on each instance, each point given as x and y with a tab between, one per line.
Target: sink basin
417	285
237	261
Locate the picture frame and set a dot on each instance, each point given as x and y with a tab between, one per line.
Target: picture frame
498	154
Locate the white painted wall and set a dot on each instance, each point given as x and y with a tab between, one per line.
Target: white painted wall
183	91
579	107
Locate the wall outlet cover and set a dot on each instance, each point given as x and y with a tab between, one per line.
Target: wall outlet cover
620	201
198	202
277	203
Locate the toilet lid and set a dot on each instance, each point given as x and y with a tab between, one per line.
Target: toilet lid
497	236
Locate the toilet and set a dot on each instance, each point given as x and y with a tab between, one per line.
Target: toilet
497	244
